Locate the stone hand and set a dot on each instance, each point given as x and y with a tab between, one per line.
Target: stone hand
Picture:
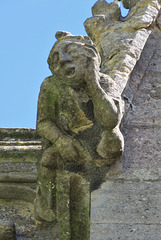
71	150
92	76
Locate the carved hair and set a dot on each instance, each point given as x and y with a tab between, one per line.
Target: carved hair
62	35
67	36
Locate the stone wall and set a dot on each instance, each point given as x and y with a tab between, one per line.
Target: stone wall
19	149
141	124
127	206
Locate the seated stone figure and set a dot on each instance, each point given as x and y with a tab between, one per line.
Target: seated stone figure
75	114
76	118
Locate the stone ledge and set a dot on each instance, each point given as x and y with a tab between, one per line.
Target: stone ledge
18	133
15	167
18	177
20	143
19	156
17	192
19	150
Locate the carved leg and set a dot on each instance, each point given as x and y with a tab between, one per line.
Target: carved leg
73	206
45	202
64	197
63	204
79	208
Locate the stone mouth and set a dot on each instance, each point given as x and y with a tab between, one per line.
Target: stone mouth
70	72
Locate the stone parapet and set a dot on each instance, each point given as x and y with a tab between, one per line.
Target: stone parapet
19	150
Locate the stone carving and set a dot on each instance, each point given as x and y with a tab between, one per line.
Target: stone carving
79	105
63	192
80	109
120	41
79	122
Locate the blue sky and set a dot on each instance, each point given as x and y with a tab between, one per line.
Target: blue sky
28	30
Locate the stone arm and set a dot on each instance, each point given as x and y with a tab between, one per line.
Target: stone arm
47	128
105	108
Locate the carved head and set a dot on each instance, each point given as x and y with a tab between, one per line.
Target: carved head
69	57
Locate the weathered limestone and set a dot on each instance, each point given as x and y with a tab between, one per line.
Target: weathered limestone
78	121
19	150
7	230
120	41
21	213
75	103
127	206
141	123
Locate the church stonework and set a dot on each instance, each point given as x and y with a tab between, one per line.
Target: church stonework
120	41
80	110
79	122
85	179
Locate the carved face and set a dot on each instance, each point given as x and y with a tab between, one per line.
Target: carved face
68	60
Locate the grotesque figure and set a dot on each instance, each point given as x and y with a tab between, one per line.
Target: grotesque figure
76	118
75	114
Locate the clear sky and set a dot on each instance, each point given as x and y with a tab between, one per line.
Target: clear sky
27	34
